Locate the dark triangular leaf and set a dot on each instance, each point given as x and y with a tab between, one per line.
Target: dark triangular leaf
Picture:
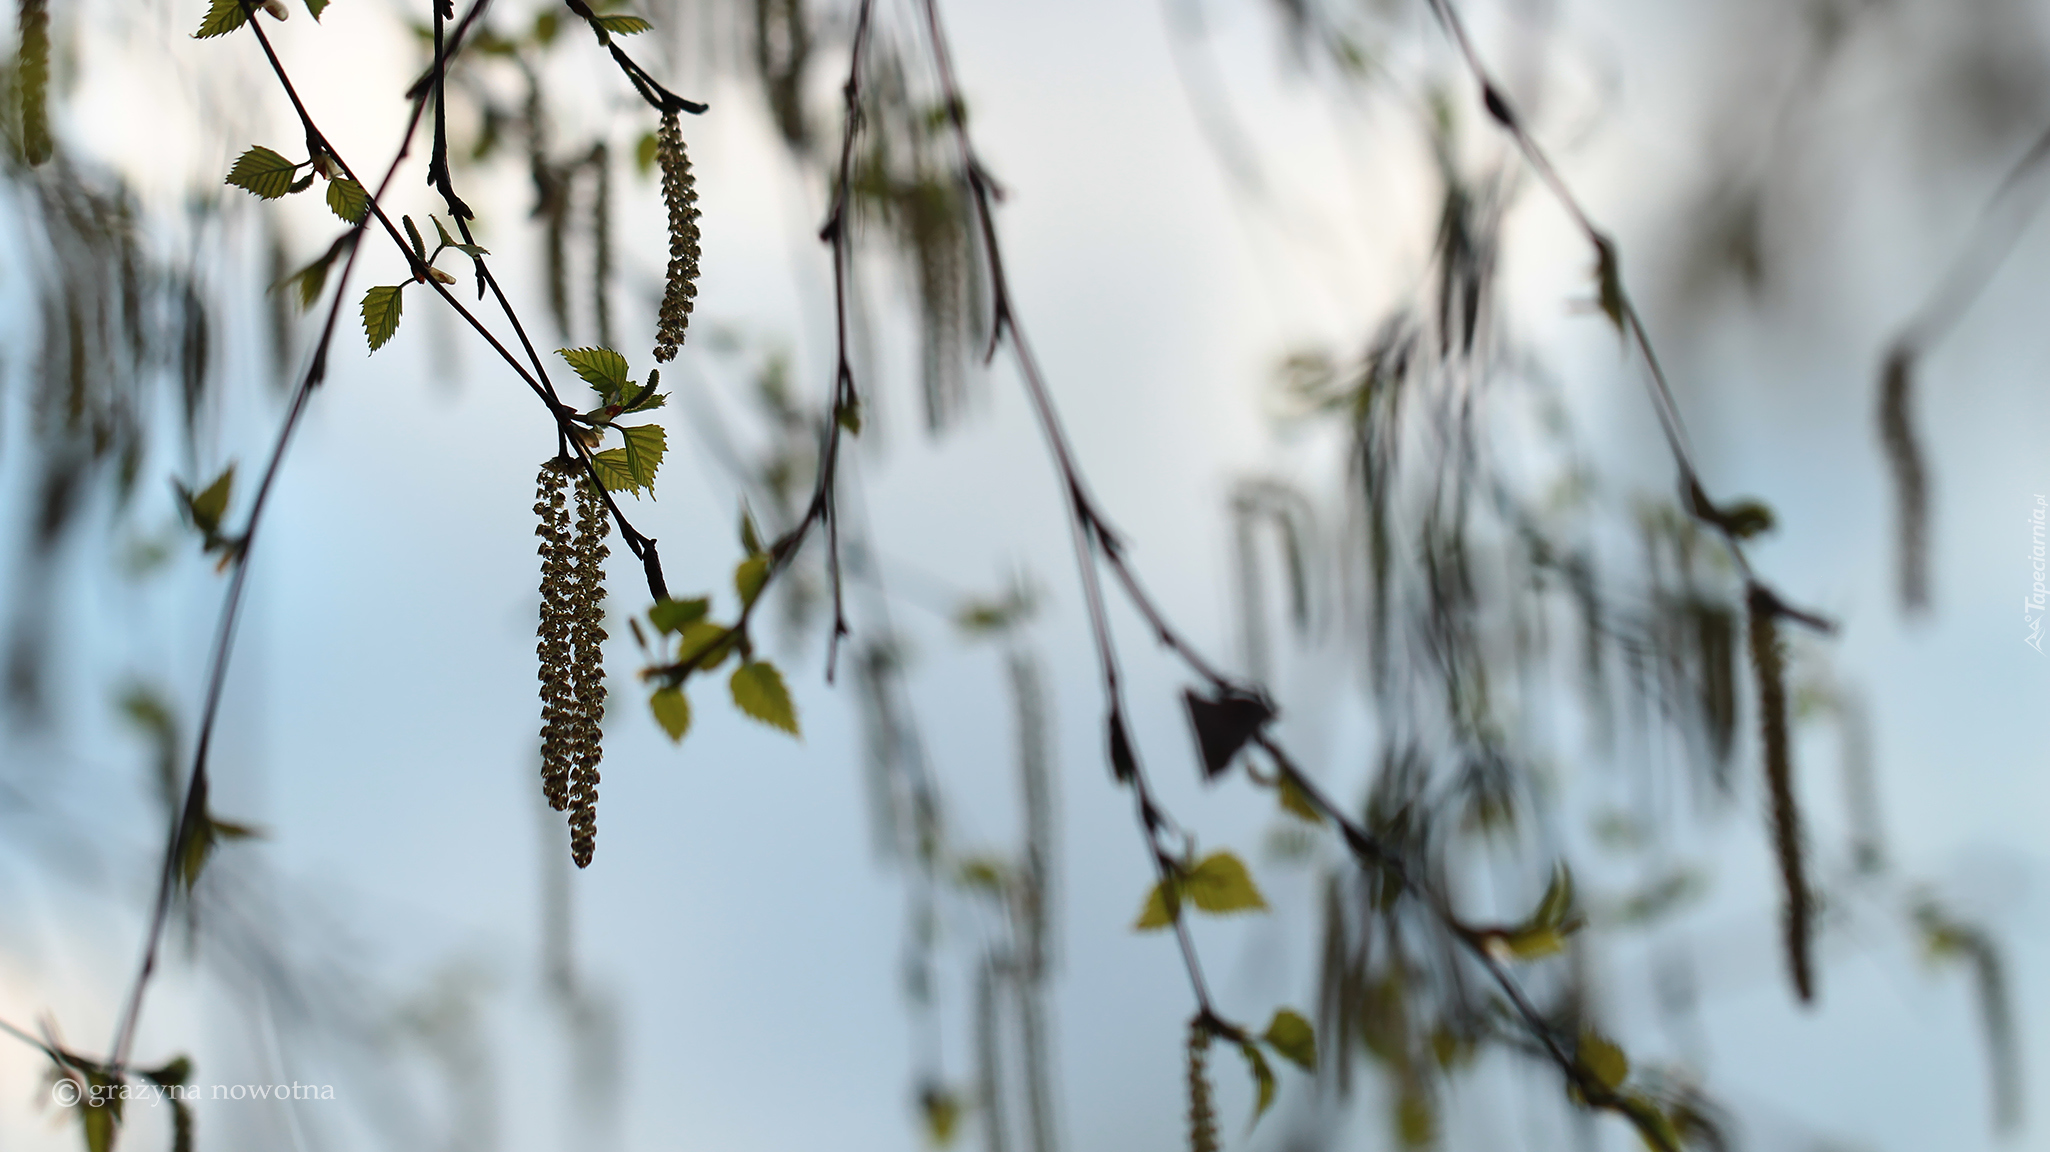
1223	724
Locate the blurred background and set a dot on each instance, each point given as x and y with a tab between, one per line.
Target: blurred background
1331	357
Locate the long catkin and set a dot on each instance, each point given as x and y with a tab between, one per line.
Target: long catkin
680	194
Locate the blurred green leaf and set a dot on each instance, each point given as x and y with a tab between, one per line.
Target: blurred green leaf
1220	883
670	615
1602	1060
672	711
1291	1036
624	25
749	576
1263	1079
758	690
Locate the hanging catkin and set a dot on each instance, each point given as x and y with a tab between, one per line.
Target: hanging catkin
1768	662
1202	1115
680	193
572	648
587	640
558	695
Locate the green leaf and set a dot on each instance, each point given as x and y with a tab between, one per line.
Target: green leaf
670	615
622	25
315	7
672	711
441	233
263	172
381	306
849	416
1220	883
1602	1060
1533	943
1416	1119
1296	802
1163	904
302	183
645	444
1558	900
613	470
222	18
750	536
1614	304
758	691
1291	1036
942	1115
644	153
1263	1079
308	282
708	644
602	368
212	502
347	199
749	576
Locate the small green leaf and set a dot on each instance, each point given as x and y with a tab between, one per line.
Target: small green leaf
1602	1060
749	576
602	368
212	502
645	444
223	17
750	537
315	7
1291	1036
1558	900
1220	883
614	471
262	172
308	282
1533	943
1296	802
302	183
672	711
1163	903
1263	1079
644	153
381	306
758	691
620	25
1416	1119
413	237
942	1115
670	615
1614	304
849	416
347	199
441	233
707	644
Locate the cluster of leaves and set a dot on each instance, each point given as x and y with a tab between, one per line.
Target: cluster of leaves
631	467
687	642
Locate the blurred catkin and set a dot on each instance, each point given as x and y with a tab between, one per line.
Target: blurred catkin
1202	1113
1768	662
679	192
